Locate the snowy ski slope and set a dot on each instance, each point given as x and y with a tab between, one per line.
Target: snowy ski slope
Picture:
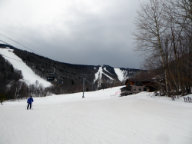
29	77
122	75
101	118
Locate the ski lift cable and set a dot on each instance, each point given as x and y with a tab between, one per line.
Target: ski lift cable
4	42
13	46
15	41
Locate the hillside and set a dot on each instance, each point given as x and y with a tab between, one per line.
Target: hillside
63	77
102	117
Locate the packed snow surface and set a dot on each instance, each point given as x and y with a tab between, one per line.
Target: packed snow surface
102	117
29	77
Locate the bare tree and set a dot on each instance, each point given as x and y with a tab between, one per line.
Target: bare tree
183	18
152	32
165	34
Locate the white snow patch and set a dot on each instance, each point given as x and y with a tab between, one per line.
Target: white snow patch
29	77
101	117
106	70
108	76
122	75
99	73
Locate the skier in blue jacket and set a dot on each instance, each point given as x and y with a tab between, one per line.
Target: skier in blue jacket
29	101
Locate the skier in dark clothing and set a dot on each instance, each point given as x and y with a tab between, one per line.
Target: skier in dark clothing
29	101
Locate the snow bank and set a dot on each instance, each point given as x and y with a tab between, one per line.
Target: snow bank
29	77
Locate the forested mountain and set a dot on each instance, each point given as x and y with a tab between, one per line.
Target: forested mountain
64	77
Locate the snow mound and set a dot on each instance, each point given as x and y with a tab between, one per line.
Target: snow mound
29	77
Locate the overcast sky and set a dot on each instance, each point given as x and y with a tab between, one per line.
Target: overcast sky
93	32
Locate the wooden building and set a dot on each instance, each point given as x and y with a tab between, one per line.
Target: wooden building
133	87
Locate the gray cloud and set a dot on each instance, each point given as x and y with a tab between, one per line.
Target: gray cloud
81	35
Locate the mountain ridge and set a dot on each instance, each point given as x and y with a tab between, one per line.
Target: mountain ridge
67	78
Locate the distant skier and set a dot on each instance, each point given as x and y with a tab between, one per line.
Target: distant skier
29	101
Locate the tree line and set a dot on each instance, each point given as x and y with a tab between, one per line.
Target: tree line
164	33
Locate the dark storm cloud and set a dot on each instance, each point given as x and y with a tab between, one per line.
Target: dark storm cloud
104	36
